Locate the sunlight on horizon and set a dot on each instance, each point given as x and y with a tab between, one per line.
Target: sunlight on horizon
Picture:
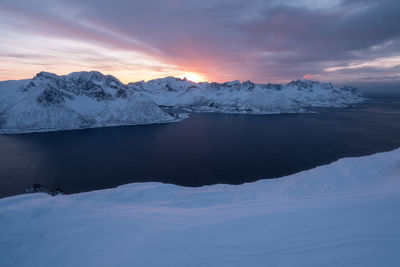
62	56
194	77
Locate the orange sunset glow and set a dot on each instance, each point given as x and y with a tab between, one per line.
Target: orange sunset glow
265	45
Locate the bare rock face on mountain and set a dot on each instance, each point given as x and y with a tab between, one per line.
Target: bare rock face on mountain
247	97
49	102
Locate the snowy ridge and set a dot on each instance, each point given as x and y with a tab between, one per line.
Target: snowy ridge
79	100
247	97
342	214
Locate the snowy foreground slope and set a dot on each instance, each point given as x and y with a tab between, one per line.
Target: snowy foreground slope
79	100
248	98
342	214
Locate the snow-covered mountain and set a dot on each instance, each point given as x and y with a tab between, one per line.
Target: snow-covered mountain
90	99
247	97
79	100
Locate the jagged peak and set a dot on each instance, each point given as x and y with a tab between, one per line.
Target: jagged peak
90	83
303	83
45	75
248	82
232	83
86	75
168	79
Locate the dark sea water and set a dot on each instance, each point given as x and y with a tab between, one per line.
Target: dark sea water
204	149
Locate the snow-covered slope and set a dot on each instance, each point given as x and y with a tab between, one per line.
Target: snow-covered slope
342	214
235	97
79	100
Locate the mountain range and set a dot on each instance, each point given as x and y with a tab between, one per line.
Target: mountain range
49	102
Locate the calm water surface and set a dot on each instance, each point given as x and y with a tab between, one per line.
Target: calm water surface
204	149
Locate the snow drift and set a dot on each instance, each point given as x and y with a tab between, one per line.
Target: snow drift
342	214
247	97
79	100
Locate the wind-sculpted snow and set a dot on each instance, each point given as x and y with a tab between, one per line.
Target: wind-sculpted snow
342	214
247	97
79	100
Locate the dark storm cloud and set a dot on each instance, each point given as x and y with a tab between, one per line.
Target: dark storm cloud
239	39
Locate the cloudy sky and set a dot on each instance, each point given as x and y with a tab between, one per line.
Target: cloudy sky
214	40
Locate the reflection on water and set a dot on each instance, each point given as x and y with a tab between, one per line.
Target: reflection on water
204	149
